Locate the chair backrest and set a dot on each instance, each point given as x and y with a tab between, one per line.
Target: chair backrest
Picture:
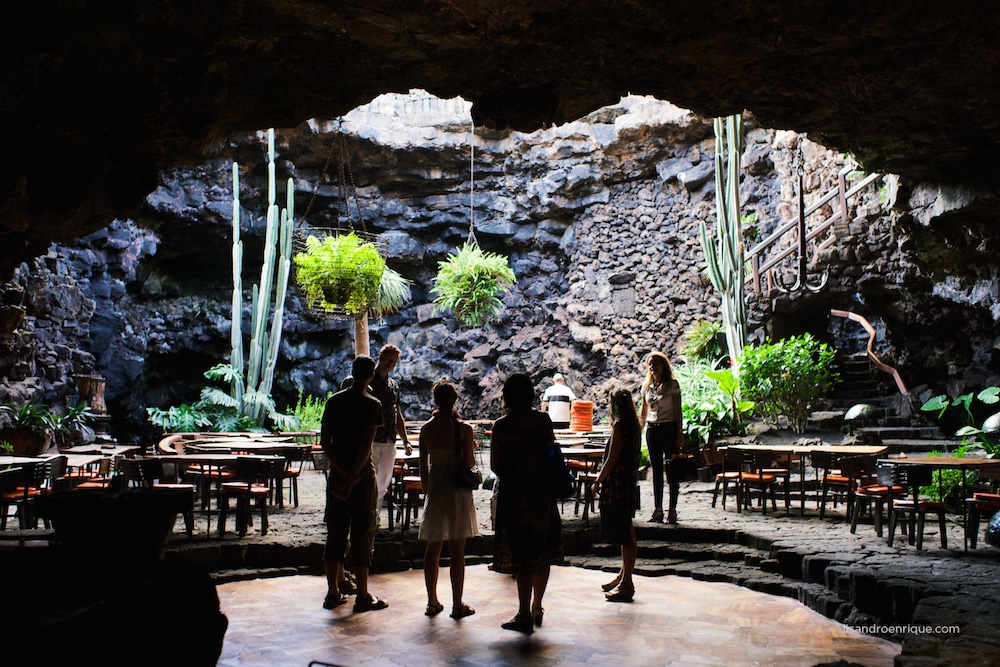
822	460
152	470
711	456
856	466
883	472
911	477
133	472
755	461
257	470
56	471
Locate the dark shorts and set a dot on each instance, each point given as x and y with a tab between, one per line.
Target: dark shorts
352	522
616	525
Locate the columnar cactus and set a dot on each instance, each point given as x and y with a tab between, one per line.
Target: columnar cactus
724	255
275	268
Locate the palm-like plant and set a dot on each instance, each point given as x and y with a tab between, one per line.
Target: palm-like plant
469	284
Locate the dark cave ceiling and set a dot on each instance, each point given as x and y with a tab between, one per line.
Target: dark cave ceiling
99	95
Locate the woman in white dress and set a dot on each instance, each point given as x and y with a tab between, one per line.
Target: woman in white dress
449	512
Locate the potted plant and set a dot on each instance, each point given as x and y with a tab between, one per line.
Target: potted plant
32	428
74	428
470	283
341	271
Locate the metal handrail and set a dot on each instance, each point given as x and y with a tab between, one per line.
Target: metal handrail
882	366
841	192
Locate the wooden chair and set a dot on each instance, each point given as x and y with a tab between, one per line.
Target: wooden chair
30	483
295	458
413	498
153	474
251	486
97	477
751	465
715	460
841	477
878	495
913	507
979	505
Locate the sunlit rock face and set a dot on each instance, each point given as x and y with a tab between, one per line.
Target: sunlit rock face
97	99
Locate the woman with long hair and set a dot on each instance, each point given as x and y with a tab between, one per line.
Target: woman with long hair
528	532
449	511
619	495
661	415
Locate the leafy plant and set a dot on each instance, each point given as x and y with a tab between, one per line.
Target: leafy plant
703	404
738	407
701	341
469	284
309	410
393	293
340	271
35	416
947	486
76	420
965	409
787	377
6	446
218	410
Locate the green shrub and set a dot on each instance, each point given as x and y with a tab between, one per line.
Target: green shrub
703	404
309	410
787	377
947	484
469	284
701	342
967	410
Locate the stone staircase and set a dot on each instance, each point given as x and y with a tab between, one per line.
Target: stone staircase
897	423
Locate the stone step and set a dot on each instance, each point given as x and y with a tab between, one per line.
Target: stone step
912	446
901	432
681	551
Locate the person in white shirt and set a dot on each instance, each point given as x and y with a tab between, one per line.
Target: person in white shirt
661	414
557	401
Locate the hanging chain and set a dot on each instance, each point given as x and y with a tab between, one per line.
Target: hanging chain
472	185
345	181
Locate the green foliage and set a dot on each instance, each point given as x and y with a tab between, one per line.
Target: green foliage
218	410
182	418
965	409
787	377
707	409
36	416
469	284
309	410
393	293
340	271
947	486
738	407
6	447
701	341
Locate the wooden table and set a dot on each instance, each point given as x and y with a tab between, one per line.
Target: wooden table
791	450
940	463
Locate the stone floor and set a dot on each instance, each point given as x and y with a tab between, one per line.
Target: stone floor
856	579
278	622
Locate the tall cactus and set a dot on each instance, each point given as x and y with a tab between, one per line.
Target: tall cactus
251	387
724	255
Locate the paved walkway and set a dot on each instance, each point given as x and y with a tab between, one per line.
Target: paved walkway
855	579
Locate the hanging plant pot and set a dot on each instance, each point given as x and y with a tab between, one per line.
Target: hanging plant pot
470	283
340	272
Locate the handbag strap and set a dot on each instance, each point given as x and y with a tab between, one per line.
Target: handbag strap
458	439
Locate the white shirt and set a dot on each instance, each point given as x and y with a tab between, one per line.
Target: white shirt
660	399
559	398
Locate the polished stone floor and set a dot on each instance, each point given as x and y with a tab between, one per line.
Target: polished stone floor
673	621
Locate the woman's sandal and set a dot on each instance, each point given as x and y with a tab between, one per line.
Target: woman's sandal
520	623
536	616
611	585
462	612
621	595
433	609
657	516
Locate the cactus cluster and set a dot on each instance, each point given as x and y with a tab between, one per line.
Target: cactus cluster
265	329
724	254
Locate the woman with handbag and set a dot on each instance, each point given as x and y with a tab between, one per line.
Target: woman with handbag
447	449
662	416
616	485
528	533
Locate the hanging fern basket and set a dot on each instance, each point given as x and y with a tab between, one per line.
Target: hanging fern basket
338	273
470	284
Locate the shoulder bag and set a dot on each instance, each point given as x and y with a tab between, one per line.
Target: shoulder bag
465	477
560	480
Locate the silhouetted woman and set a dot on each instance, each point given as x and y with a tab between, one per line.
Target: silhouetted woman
661	415
528	533
449	511
619	495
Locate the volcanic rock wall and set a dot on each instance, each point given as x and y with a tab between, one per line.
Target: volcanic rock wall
599	219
